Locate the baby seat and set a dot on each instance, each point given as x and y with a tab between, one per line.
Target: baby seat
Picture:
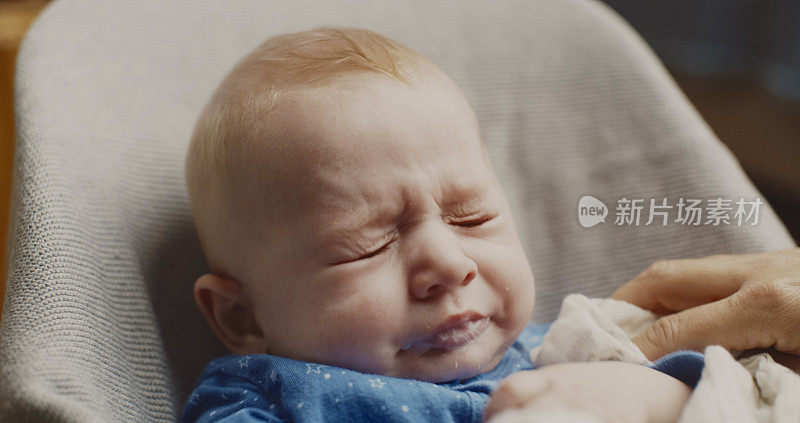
99	322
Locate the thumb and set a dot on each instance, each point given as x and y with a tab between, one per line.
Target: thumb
724	322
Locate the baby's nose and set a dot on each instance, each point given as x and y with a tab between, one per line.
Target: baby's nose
438	264
430	284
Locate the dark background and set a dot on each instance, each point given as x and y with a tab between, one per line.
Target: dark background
738	61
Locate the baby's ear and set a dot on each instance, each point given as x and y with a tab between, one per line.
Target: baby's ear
228	312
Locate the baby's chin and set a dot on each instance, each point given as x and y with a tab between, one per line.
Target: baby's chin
438	365
463	371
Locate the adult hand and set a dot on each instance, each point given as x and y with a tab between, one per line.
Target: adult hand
738	301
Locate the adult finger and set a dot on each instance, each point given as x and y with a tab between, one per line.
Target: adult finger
668	286
731	322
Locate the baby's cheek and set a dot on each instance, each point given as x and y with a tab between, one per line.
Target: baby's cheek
361	325
361	341
510	275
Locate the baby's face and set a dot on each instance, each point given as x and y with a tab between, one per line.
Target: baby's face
390	248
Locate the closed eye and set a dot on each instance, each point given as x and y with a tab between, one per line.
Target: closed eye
472	223
376	252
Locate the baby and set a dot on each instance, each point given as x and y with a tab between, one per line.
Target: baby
364	262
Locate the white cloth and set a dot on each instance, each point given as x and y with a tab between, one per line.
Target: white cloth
748	390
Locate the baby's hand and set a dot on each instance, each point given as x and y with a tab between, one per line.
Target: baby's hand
609	391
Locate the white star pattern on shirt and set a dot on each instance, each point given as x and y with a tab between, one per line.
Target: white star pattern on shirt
376	383
315	368
193	399
243	363
273	376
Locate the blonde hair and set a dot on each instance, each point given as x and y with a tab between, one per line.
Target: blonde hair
234	122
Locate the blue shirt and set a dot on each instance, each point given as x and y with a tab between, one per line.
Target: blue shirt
267	388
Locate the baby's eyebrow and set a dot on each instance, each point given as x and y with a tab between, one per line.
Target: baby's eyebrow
366	223
358	225
466	199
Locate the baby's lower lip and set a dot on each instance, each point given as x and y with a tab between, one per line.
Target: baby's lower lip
459	336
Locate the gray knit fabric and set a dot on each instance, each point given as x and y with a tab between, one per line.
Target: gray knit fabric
99	323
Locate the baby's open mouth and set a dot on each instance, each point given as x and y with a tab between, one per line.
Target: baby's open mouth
456	332
459	335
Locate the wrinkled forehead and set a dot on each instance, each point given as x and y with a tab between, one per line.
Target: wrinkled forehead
366	137
352	126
